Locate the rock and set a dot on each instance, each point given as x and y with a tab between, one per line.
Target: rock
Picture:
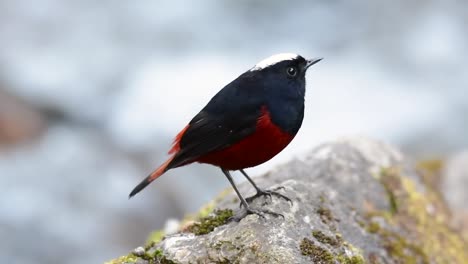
354	201
455	181
139	251
454	184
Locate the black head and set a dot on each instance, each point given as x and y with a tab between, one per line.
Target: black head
284	74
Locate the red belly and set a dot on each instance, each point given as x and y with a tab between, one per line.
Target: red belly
259	147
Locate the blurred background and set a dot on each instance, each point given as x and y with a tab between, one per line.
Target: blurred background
92	93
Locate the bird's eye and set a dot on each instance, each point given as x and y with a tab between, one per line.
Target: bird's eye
292	71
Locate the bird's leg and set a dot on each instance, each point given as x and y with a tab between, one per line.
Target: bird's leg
248	210
261	192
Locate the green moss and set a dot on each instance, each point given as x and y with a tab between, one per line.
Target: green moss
416	229
202	213
152	256
432	165
322	238
350	260
205	210
155	237
341	252
339	238
130	258
373	227
390	181
316	253
210	222
431	173
401	249
325	214
159	258
361	223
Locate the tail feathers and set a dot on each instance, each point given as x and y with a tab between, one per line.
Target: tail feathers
176	144
153	176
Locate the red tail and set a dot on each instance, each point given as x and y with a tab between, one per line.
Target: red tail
163	168
153	176
176	143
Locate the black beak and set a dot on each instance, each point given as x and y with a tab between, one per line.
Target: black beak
312	62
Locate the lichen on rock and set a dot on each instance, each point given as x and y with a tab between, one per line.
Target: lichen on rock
316	253
354	201
207	224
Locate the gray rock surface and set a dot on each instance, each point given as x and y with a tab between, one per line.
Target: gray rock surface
354	201
455	181
454	186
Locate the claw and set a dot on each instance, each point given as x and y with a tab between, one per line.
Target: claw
268	193
260	213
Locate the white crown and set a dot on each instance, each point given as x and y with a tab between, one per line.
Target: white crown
272	60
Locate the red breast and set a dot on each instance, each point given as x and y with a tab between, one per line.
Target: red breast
259	147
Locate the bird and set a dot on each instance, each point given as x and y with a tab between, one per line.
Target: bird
248	122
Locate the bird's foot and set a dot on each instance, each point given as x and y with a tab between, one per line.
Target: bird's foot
268	193
261	213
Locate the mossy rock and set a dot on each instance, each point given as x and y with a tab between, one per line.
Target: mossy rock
354	201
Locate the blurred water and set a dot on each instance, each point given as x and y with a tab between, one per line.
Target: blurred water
117	79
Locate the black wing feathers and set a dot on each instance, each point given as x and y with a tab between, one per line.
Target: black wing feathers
230	116
208	132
